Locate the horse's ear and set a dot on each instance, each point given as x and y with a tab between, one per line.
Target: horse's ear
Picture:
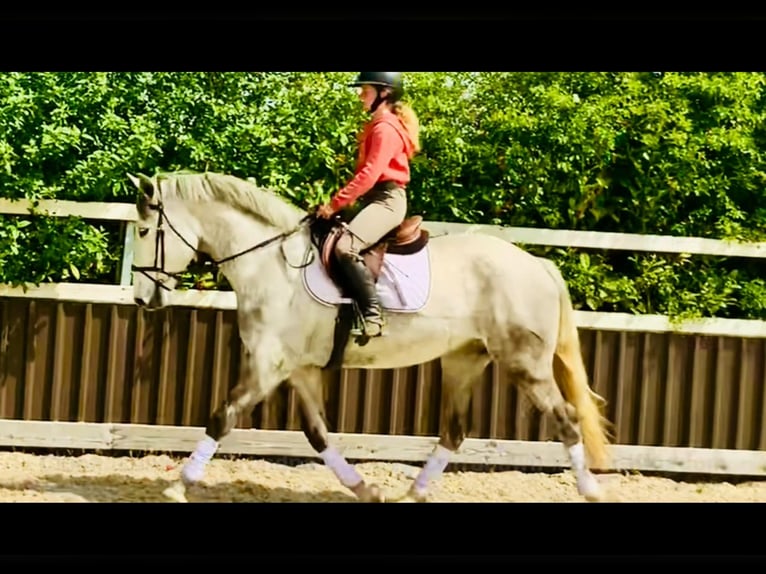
144	183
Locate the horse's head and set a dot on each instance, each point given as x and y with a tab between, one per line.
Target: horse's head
165	243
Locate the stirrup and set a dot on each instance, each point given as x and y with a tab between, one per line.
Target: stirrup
373	328
361	327
367	328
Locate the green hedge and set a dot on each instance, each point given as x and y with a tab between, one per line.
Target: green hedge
672	154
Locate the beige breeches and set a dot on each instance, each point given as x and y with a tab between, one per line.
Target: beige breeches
381	212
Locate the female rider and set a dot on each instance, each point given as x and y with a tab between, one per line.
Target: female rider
387	143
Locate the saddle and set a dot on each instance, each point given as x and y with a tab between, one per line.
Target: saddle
405	239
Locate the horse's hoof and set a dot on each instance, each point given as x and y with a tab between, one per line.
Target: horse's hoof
589	488
176	492
591	497
413	496
371	493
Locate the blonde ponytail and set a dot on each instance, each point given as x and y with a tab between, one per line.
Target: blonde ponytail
410	121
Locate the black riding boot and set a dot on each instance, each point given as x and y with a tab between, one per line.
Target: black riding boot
362	286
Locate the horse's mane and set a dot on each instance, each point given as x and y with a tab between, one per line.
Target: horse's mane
233	191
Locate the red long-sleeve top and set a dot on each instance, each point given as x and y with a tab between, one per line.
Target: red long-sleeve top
384	153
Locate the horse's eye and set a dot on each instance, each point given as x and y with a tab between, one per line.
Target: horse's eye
143	232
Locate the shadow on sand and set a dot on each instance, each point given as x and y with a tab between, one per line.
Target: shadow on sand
120	488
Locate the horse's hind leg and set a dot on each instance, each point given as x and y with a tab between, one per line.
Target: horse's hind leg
461	370
308	384
547	397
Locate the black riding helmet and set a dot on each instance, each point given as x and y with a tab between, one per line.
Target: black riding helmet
391	80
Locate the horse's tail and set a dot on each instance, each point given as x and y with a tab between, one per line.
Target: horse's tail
570	374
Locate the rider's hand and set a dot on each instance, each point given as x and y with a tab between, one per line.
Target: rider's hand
325	211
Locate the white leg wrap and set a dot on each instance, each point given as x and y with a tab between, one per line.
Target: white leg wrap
194	468
433	468
577	457
587	484
346	473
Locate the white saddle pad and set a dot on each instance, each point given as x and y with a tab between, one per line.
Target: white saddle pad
403	286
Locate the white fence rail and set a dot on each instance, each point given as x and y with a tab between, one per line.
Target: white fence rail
387	448
532	236
226	300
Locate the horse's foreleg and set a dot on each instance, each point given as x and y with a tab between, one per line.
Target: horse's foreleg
219	425
461	370
221	422
256	380
308	384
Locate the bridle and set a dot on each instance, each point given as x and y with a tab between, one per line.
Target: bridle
159	247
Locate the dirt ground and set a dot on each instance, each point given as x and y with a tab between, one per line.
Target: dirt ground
28	477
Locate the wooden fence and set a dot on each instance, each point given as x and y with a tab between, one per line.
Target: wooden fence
82	367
